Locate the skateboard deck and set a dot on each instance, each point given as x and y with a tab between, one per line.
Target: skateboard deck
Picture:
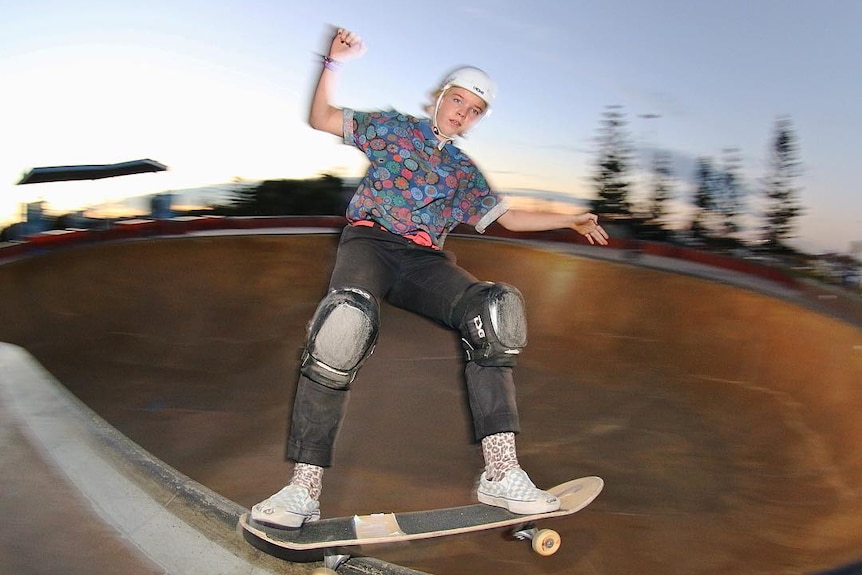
342	532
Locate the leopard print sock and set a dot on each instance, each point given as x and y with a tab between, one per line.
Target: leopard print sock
310	477
500	455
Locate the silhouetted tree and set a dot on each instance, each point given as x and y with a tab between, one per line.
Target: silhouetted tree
322	196
780	190
729	197
611	179
661	188
704	199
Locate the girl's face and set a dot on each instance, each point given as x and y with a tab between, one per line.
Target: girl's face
459	110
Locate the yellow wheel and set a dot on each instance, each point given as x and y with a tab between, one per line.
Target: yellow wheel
323	571
546	542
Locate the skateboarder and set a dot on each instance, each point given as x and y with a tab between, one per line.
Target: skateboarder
419	186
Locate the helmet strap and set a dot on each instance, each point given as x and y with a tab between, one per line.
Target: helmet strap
444	139
438	132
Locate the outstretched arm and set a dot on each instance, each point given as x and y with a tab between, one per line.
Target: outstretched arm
586	224
323	115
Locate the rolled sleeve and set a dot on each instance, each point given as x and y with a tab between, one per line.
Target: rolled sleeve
489	218
347	127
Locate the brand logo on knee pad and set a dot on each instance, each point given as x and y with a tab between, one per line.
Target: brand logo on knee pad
477	323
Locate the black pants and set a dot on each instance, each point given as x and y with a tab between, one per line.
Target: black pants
416	278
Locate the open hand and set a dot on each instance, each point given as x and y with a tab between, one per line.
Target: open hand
588	226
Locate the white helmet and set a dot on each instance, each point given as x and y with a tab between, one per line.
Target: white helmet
473	80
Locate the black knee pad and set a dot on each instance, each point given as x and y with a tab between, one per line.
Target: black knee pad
341	336
493	323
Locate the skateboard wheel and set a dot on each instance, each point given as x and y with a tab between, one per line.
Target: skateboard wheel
323	571
546	542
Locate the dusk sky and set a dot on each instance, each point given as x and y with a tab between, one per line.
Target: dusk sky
219	89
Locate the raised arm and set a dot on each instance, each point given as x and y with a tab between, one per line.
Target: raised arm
323	115
586	224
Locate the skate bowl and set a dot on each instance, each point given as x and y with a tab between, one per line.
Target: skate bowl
723	419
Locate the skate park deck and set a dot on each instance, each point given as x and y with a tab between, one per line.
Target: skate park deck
722	418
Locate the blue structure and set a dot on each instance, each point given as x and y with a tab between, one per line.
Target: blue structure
160	207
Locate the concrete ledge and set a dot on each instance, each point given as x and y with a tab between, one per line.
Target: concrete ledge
177	523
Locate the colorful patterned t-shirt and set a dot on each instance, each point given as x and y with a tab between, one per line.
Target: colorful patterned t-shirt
412	185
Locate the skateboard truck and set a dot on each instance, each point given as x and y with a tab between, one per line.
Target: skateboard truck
544	541
333	560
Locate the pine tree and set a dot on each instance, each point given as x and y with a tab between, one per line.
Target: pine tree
729	197
661	190
611	179
780	189
704	199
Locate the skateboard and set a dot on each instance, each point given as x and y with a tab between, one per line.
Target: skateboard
331	539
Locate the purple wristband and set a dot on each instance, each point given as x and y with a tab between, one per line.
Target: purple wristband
330	64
